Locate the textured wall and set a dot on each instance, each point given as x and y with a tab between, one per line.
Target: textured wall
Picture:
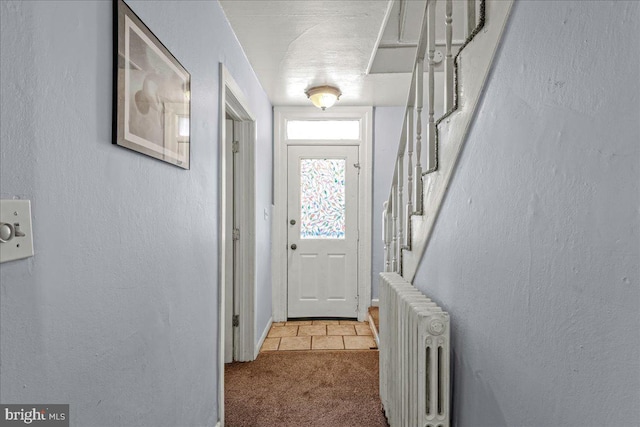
535	253
117	312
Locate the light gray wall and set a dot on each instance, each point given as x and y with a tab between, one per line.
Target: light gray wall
536	251
387	126
117	312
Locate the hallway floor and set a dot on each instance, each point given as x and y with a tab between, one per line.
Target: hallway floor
319	335
315	373
330	388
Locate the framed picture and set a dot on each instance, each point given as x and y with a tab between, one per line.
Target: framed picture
152	99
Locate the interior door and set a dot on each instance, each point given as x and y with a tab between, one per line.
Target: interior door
230	337
237	264
232	302
322	231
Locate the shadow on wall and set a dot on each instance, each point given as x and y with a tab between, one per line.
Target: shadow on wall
475	397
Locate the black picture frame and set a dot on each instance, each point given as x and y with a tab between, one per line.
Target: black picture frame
151	92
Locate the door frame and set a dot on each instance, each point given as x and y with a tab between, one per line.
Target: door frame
233	103
279	224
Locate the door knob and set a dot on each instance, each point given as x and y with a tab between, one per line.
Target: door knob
294	247
292	222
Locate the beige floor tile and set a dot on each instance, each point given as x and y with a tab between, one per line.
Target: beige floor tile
270	344
341	330
327	343
298	322
358	343
308	330
326	322
363	330
350	322
277	324
283	331
295	343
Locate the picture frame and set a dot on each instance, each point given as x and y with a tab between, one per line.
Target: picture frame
151	92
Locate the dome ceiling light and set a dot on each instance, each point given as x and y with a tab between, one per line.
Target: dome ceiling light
323	96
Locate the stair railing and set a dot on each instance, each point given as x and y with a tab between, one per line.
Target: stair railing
402	205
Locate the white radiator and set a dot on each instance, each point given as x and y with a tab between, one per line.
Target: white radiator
414	356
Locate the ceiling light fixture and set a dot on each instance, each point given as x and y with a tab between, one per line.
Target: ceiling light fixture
323	96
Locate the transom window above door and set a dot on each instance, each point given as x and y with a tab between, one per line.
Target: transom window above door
323	129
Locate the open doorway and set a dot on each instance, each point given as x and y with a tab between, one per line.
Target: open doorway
237	229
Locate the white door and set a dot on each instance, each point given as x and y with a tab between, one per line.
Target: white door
230	304
232	300
322	231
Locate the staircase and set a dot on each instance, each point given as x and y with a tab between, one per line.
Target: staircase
427	158
414	356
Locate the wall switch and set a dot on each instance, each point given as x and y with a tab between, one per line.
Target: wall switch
16	237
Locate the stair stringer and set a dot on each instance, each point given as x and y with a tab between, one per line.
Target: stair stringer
474	64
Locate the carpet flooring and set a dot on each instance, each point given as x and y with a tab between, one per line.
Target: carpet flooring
304	389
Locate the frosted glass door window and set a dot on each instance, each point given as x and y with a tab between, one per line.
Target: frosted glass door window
322	198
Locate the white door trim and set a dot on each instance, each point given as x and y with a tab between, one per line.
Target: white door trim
279	239
233	102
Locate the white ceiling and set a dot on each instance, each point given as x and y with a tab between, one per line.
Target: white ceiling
295	44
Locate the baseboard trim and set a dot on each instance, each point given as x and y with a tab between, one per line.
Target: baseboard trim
372	325
375	302
262	338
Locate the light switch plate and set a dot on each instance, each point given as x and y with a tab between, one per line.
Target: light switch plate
16	212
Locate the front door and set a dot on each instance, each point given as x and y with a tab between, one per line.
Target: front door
322	231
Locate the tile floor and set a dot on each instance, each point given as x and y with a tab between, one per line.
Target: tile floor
319	335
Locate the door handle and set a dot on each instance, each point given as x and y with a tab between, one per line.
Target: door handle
292	222
294	247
